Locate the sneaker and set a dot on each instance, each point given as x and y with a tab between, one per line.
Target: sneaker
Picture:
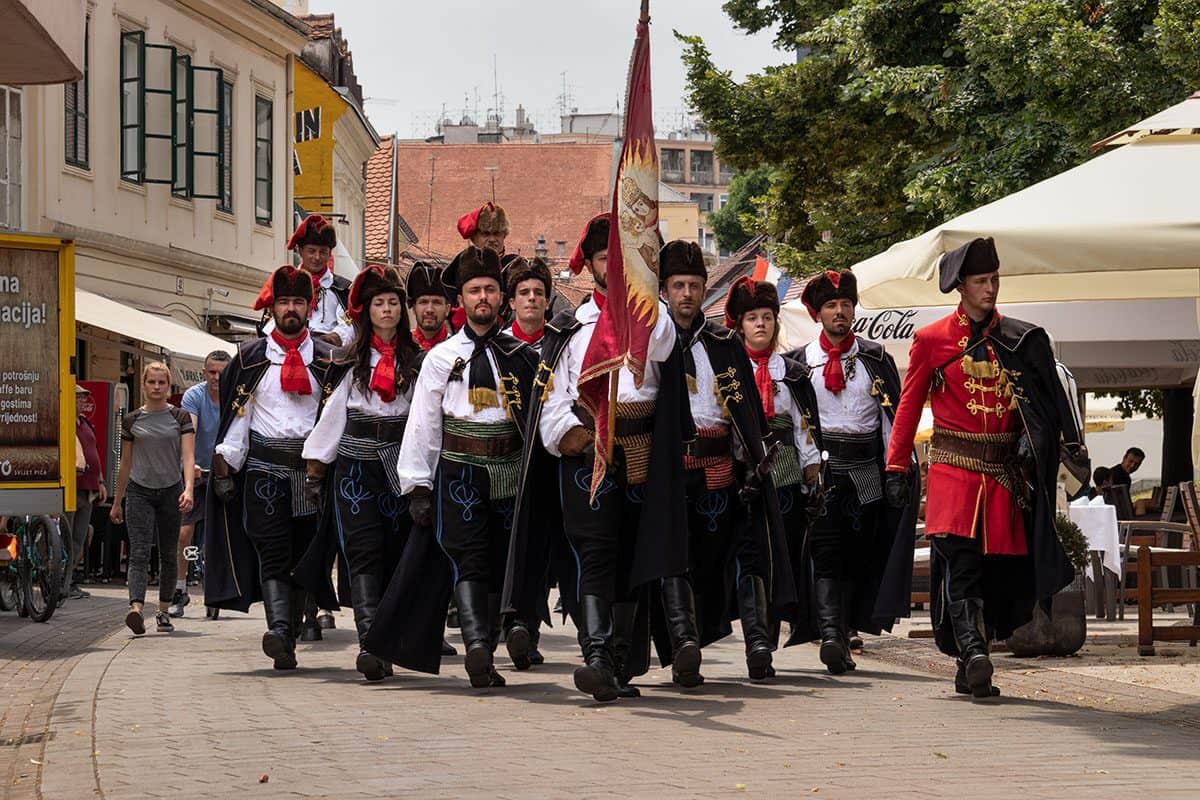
178	601
135	623
164	622
78	594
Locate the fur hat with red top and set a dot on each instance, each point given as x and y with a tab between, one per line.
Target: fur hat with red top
593	239
488	218
374	280
313	229
747	294
517	270
473	262
826	286
287	281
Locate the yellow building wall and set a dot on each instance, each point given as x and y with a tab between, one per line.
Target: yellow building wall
679	221
318	107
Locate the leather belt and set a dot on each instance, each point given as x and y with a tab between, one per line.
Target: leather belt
493	447
716	447
844	450
381	430
999	452
277	457
622	426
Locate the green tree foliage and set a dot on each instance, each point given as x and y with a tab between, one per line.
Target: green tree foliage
736	221
1131	402
903	113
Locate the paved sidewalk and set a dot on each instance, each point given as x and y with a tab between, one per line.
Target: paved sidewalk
200	714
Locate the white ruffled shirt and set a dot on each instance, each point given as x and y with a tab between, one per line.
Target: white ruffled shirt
270	411
785	403
558	414
322	443
435	397
853	410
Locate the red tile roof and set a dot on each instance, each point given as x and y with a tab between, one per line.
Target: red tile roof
321	25
379	176
548	189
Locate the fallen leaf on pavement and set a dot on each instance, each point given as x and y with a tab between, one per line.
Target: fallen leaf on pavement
940	755
264	778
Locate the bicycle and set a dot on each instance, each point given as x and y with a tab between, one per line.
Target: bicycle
31	581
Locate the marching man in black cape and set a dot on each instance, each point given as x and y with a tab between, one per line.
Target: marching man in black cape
270	399
605	532
369	387
460	459
314	240
860	548
999	415
732	503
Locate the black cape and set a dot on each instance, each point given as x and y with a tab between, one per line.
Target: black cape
231	576
761	520
411	618
883	589
1013	586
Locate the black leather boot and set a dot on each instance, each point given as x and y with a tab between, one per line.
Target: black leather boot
966	619
535	635
296	609
752	603
311	632
847	588
596	676
828	595
496	625
960	680
277	642
472	601
447	648
680	607
624	618
366	590
519	642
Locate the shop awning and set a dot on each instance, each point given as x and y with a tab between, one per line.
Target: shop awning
187	347
41	41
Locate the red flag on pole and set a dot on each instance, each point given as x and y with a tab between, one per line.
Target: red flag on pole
622	334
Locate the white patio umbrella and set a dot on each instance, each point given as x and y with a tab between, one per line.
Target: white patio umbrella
1124	225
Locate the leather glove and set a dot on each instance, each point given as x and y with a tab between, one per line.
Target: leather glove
420	506
751	488
225	489
314	487
575	441
896	489
814	500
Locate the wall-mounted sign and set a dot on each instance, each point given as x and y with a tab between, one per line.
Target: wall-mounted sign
37	338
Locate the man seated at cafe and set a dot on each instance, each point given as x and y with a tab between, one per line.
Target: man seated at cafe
1120	475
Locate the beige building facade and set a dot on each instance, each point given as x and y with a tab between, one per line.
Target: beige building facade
168	162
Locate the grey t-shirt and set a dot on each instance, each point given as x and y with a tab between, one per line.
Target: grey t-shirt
157	436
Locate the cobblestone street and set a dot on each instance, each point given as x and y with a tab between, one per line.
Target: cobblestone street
199	713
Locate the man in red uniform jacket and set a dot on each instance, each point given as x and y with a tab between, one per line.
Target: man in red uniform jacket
999	414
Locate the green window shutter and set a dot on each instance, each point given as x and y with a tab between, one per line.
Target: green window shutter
159	133
207	83
132	99
182	186
264	109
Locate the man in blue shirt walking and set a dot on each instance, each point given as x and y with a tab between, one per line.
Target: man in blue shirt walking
201	402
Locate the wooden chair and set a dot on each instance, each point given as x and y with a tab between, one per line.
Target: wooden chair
1147	560
1139	533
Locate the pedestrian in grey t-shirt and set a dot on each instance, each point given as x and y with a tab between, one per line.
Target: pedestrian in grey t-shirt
156	480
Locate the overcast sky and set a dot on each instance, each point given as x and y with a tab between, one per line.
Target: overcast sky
413	56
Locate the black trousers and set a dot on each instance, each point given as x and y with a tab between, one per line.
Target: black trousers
278	537
602	532
472	528
840	534
712	541
961	561
372	521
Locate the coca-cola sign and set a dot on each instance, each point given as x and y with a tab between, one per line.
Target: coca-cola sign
890	324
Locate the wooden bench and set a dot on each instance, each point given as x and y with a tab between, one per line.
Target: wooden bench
1148	597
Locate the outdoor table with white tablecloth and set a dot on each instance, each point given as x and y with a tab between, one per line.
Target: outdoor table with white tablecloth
1098	521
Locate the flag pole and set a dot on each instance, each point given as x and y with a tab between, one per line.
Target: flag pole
645	12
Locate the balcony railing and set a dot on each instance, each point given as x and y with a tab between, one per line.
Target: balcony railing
672	176
701	177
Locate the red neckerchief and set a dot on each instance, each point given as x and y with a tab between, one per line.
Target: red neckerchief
762	378
293	377
422	342
527	338
458	318
599	299
383	378
835	380
316	278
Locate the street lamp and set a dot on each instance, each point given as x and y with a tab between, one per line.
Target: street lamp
210	291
